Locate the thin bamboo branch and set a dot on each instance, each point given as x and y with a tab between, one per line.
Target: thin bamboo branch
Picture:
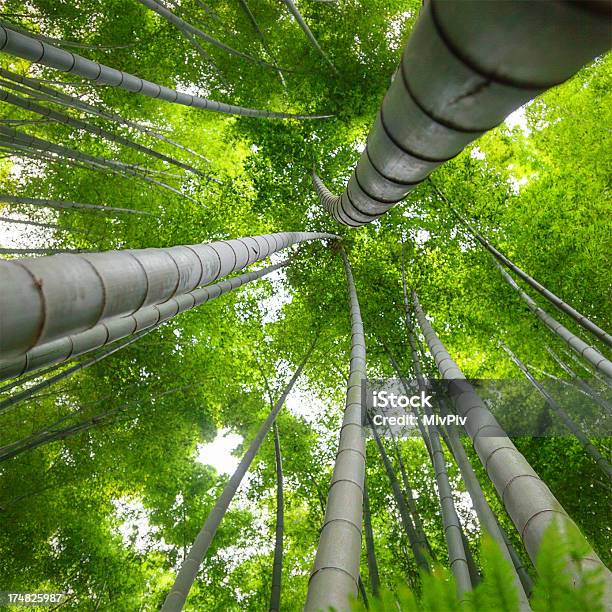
175	600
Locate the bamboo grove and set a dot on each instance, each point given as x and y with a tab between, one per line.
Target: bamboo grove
177	272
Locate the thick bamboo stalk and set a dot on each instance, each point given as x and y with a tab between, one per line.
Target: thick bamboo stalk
60	205
369	538
116	328
528	501
40	91
335	573
52	297
467	65
589	353
456	543
586	444
532	282
487	518
277	565
418	371
175	600
88	127
293	9
28	48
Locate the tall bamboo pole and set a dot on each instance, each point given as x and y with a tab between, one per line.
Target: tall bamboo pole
277	565
466	66
116	328
38	90
52	297
596	397
175	600
28	48
335	573
418	547
33	107
159	8
528	501
61	205
369	538
487	518
293	9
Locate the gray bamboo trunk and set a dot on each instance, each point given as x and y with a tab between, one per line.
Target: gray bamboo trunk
335	573
293	9
528	501
549	295
453	532
175	600
52	297
61	205
418	547
457	556
586	444
580	382
277	565
369	538
586	351
28	48
40	91
467	65
88	127
487	518
68	347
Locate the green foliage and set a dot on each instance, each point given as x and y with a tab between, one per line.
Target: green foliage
107	514
554	591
